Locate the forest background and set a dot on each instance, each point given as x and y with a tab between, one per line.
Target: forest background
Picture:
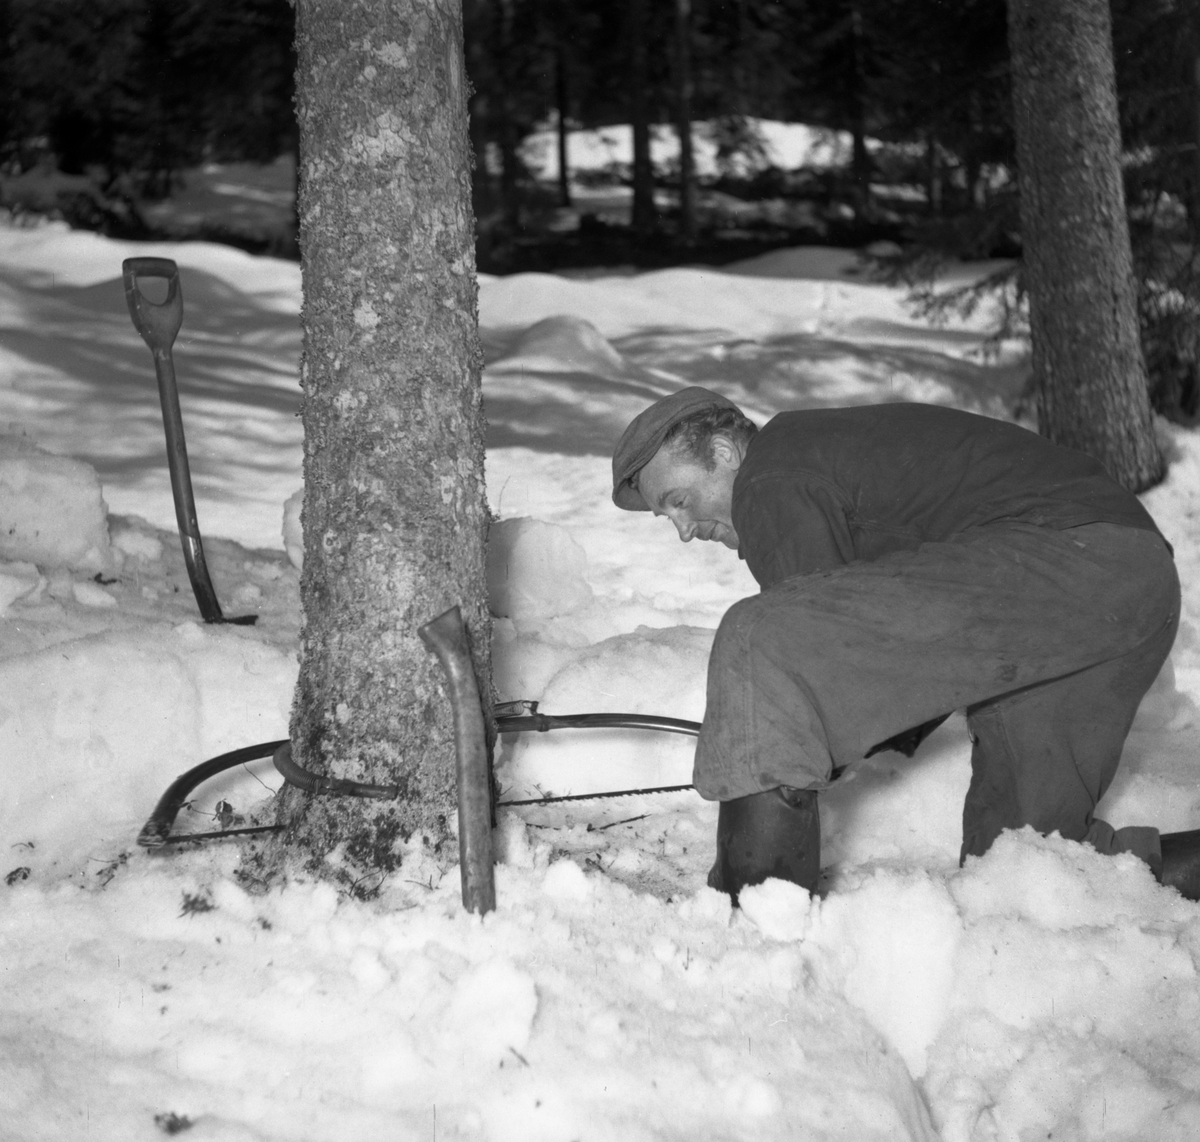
106	105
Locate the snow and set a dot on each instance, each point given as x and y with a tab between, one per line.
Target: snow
1040	991
535	570
787	146
51	510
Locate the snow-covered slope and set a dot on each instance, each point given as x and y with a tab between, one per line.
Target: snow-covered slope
1043	991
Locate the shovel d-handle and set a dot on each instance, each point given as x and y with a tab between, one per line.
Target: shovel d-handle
446	636
158	323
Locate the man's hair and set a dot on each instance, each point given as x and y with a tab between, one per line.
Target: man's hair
693	436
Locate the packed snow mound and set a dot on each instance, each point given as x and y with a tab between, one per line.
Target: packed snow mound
649	671
18	581
889	947
1063	954
561	386
638	673
52	511
535	570
524	662
561	343
1041	991
1014	949
99	726
293	530
889	807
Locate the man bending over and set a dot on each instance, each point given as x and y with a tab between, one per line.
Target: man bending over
914	560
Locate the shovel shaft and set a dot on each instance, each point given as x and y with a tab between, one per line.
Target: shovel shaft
158	324
177	457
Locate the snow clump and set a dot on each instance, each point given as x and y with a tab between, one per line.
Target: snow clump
293	532
535	570
637	673
52	512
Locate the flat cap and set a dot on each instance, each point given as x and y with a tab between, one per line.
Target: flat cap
645	435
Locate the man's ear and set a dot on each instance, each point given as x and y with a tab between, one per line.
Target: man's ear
725	451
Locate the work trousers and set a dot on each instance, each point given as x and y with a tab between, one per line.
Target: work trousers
1048	639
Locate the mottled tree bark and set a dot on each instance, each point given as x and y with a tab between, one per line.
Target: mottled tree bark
1087	359
394	510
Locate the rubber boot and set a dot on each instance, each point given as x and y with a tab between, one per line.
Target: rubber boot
776	833
1181	862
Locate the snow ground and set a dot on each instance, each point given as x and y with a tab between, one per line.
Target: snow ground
788	146
1042	991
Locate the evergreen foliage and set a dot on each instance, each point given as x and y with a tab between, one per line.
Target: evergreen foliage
131	91
142	90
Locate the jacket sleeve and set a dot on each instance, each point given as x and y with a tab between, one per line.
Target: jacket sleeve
791	525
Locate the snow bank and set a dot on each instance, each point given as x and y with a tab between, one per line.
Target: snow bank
52	512
547	1021
293	530
545	649
1042	990
18	581
1074	1008
98	727
1010	987
650	671
678	299
564	343
534	570
887	945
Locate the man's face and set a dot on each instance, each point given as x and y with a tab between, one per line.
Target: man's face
698	502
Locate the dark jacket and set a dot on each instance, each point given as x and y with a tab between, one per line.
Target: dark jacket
824	487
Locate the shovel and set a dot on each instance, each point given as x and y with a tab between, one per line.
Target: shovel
158	323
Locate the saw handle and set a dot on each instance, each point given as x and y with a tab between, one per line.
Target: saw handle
157	322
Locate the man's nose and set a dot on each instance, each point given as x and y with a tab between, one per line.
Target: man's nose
686	529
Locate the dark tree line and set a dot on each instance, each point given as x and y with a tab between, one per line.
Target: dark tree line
922	72
142	90
152	87
131	92
148	88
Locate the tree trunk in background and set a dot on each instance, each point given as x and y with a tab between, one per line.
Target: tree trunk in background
394	510
1087	358
560	97
933	176
1195	196
860	161
683	80
479	108
509	161
644	217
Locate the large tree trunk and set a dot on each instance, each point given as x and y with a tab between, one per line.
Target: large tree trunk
1087	358
394	509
